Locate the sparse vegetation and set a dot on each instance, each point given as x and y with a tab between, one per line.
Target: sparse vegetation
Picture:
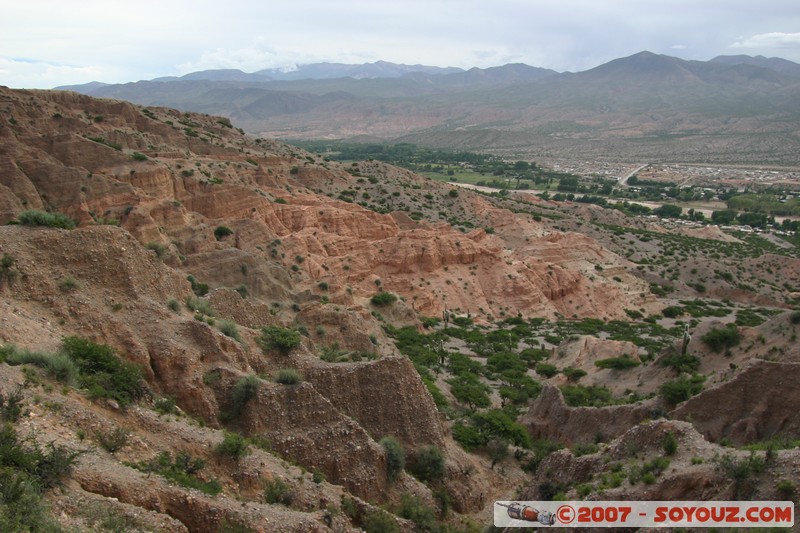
288	376
114	440
233	445
199	305
220	232
681	389
278	338
670	444
7	272
719	339
229	329
429	464
33	217
102	372
741	470
26	471
242	392
383	299
395	457
277	490
182	470
67	284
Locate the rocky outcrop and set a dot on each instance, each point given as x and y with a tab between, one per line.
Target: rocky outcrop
549	417
391	399
739	409
302	424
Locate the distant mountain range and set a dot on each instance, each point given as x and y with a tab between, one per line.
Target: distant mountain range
732	108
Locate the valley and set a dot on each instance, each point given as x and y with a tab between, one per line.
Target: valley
205	330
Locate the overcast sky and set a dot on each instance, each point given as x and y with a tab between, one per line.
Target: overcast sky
47	43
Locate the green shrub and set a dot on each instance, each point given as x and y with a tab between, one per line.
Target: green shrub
165	406
573	374
22	506
158	248
719	339
103	372
383	299
794	318
681	389
277	491
278	338
138	156
6	268
229	329
182	470
546	370
378	521
395	457
580	396
740	471
499	423
222	231
785	488
199	305
67	284
11	406
112	441
681	363
670	444
14	357
288	376
33	217
584	449
242	392
424	517
429	464
62	368
200	289
233	445
48	466
174	305
242	290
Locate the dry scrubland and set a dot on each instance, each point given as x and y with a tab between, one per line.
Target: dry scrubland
202	331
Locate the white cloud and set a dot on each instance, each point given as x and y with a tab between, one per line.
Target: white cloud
32	73
770	41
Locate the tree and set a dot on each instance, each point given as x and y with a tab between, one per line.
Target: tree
668	211
719	339
468	389
723	217
755	220
568	184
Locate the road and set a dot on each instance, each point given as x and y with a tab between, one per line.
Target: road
624	181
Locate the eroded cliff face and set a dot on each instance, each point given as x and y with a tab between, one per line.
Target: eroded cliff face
280	238
148	195
192	173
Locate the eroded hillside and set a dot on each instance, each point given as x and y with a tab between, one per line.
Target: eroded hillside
255	288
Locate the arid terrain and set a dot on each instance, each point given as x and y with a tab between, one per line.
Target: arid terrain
206	331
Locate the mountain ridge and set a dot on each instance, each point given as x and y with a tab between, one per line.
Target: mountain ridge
645	105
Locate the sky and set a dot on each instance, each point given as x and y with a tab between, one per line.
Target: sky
46	43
